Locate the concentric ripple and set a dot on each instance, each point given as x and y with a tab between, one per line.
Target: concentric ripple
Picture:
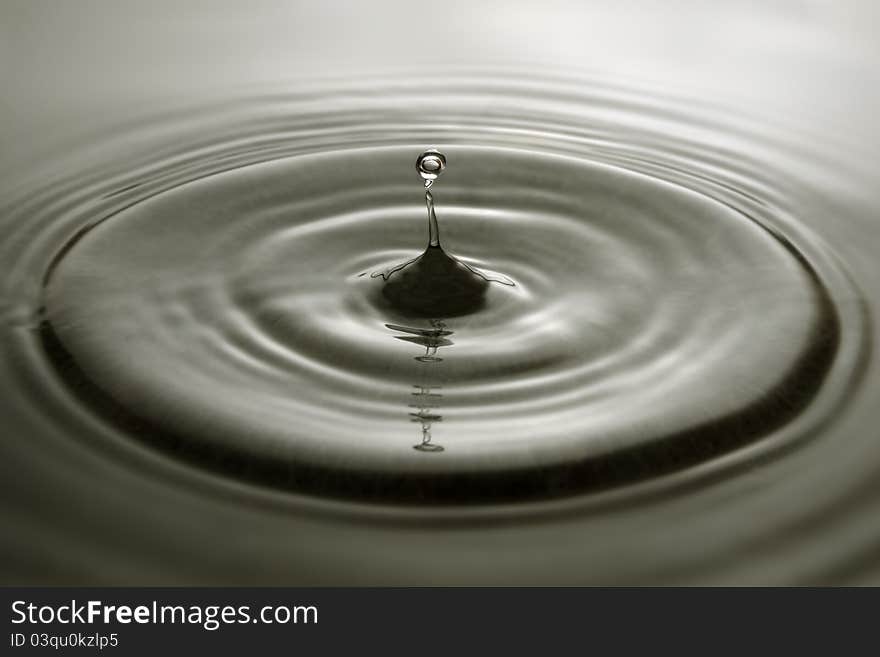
202	387
667	309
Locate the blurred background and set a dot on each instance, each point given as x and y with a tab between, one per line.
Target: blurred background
81	63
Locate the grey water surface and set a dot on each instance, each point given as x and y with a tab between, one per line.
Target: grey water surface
651	358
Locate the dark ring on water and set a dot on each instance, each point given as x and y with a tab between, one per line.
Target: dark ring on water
662	456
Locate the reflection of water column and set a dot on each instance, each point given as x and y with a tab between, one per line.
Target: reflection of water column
426	400
426	416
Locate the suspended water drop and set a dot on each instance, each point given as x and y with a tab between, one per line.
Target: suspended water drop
430	165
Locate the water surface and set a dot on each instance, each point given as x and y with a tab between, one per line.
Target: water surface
205	384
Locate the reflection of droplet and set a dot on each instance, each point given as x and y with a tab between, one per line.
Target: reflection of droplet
428	446
425	399
431	339
430	165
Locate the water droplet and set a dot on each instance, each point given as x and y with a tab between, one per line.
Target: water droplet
436	284
430	165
